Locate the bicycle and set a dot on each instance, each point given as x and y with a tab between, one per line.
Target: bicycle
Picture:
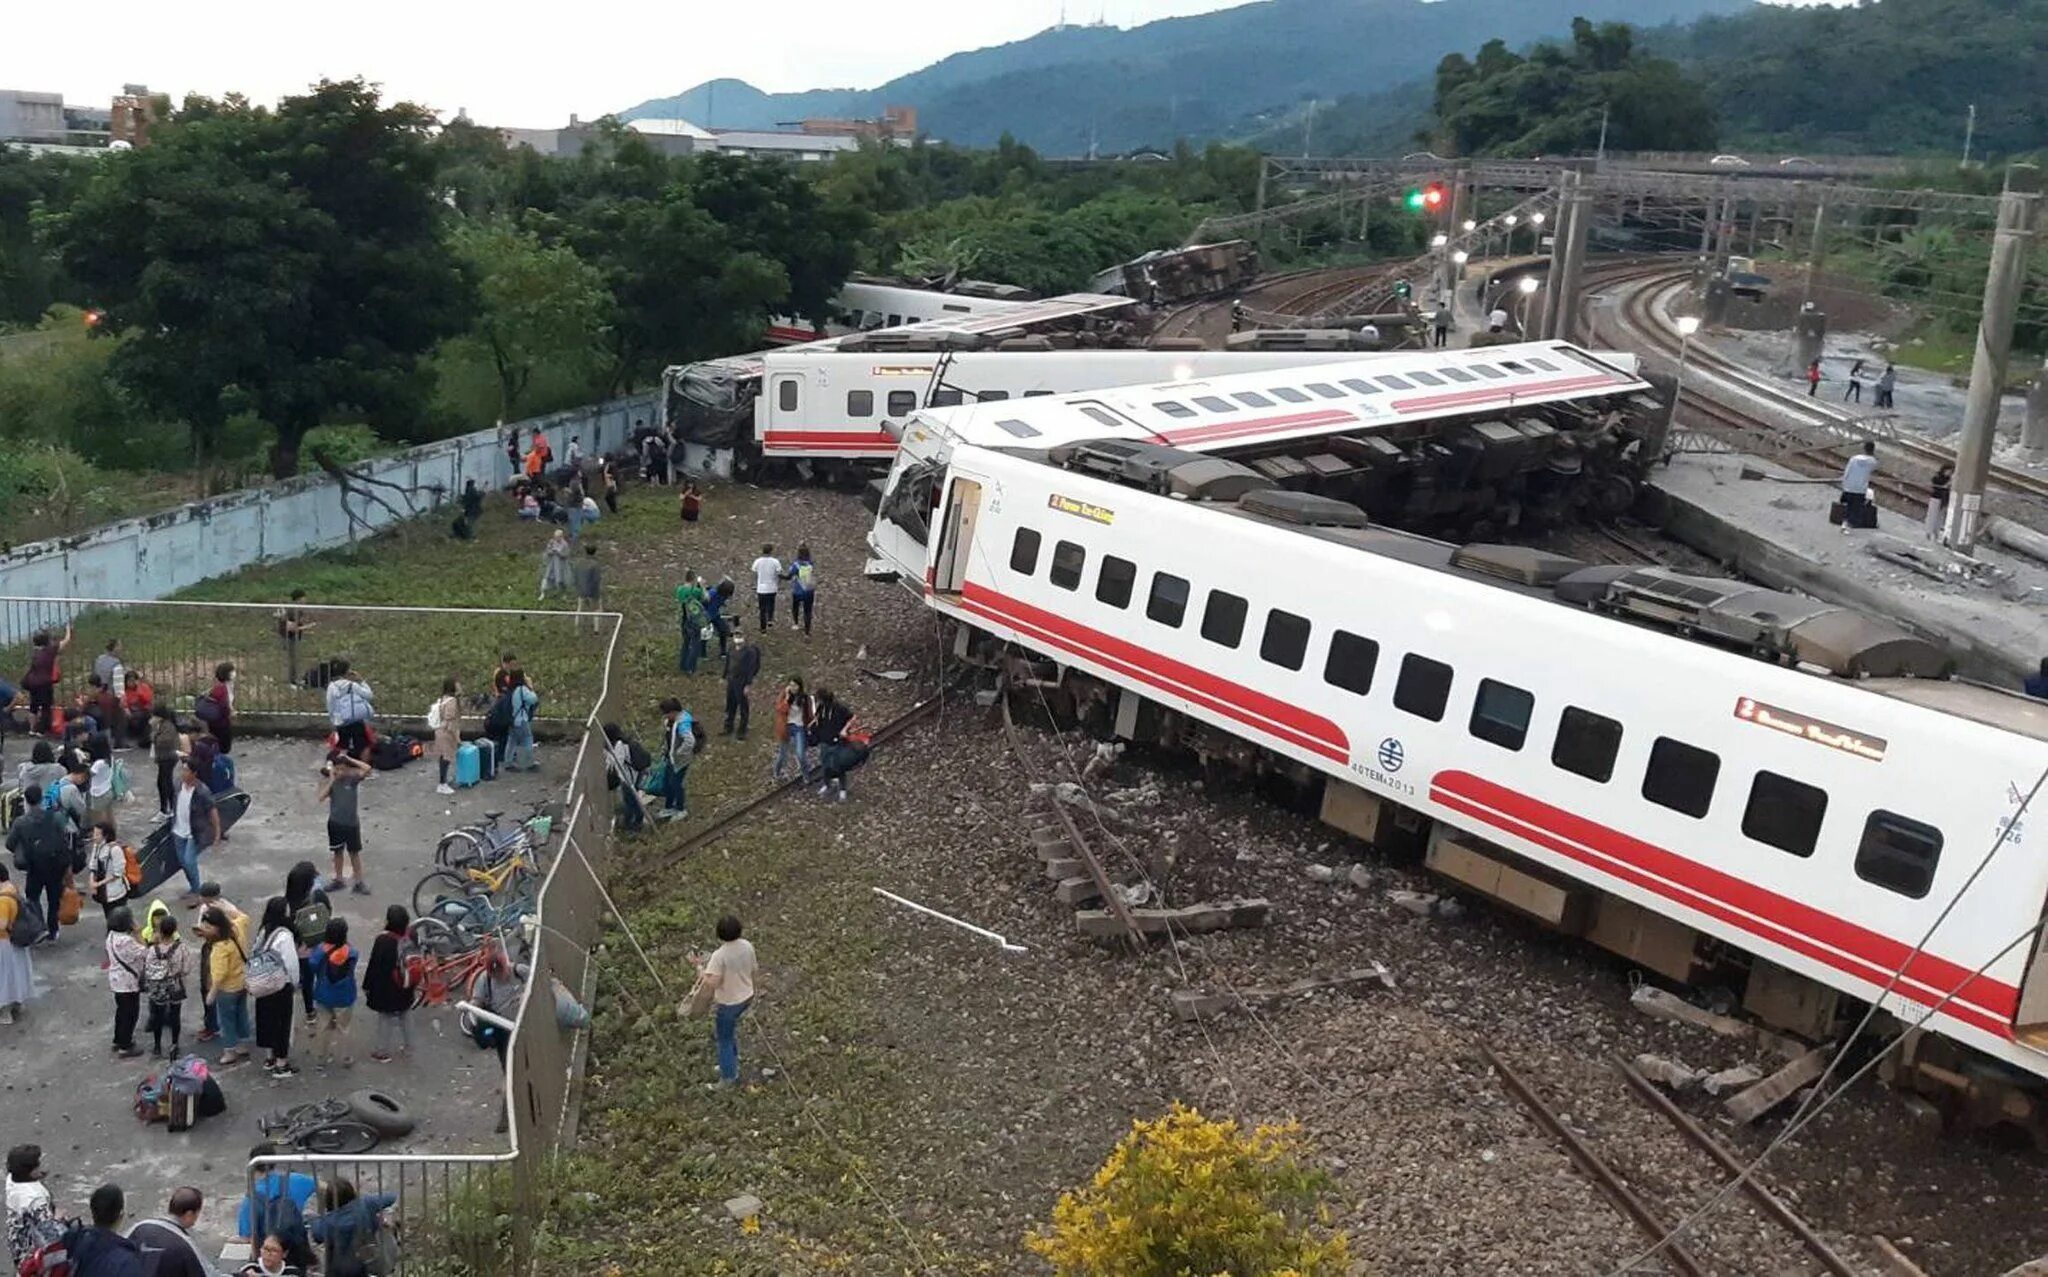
324	1126
514	874
439	970
486	842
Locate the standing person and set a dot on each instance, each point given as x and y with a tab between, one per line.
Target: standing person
340	789
589	589
1497	319
1855	387
1237	316
767	581
216	708
168	1247
109	669
195	826
310	909
1937	501
334	989
125	960
227	985
572	505
1886	382
721	623
99	792
166	967
385	990
512	455
554	564
41	846
273	1010
1813	379
1856	483
691	501
792	720
30	1209
678	751
293	626
520	754
1443	323
650	468
608	479
729	975
17	972
101	1251
803	587
106	869
623	774
739	676
472	501
41	679
163	751
350	706
694	616
445	718
501	678
573	459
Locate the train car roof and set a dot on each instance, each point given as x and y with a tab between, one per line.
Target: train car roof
1371	393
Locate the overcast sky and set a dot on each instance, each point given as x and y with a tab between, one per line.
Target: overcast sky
521	63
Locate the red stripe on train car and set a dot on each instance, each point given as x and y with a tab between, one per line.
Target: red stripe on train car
865	440
1275	718
1257	425
1870	956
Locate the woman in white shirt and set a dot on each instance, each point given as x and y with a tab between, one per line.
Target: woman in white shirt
729	975
106	869
125	959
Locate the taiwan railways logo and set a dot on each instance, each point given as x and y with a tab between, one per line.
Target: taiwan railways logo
1391	755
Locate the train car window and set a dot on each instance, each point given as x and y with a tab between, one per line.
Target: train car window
855	318
1784	813
1326	390
1106	418
1586	744
1288	394
1488	371
1039	394
955	309
1426	379
1513	367
947	399
1113	583
860	403
1067	561
1456	374
1168	602
1351	662
1360	385
992	396
1286	639
1213	404
895	321
1544	364
1252	399
1024	552
1023	430
1898	854
902	402
1223	618
1393	383
1500	714
1681	776
1424	687
785	395
1172	409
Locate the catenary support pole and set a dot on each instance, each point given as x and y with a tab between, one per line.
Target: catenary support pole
1574	262
2016	212
1553	281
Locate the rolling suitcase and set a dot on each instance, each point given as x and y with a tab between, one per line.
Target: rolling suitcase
486	758
1836	513
1864	516
466	765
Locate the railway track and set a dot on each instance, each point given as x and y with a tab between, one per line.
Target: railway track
1303	293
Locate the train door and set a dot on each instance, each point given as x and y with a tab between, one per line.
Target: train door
956	542
784	400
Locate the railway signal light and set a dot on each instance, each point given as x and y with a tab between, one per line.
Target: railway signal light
1427	199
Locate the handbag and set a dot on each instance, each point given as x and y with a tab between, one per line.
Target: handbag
702	994
68	906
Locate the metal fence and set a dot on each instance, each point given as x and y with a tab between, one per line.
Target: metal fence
159	554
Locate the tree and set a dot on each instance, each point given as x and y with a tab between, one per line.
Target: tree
294	257
535	303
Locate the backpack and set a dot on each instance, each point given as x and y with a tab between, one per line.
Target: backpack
281	1218
208	710
131	867
805	574
637	756
29	924
53	795
51	1242
498	723
265	972
161	978
309	920
434	716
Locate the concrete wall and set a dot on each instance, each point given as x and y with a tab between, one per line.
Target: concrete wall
158	555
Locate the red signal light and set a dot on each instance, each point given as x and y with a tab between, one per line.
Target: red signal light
1433	196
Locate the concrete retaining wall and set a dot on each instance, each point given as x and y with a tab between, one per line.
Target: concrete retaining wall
158	555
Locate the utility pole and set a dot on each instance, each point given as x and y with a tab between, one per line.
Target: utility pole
1553	280
2016	211
1574	245
1600	155
1969	134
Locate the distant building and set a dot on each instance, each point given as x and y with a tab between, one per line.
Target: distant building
27	116
44	122
133	111
680	137
898	124
803	147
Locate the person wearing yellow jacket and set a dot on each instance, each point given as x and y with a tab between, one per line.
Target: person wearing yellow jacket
227	990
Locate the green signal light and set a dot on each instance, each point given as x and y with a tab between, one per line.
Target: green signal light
1415	201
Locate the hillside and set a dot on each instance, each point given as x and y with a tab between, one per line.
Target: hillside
1223	74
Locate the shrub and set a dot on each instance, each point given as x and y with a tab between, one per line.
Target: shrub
1191	1196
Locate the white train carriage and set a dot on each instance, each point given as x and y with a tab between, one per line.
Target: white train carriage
866	305
1579	735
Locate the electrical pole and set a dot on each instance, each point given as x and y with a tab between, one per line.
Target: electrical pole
1969	134
2016	209
1600	155
1553	281
1574	245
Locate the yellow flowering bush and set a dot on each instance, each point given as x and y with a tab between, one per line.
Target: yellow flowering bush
1190	1196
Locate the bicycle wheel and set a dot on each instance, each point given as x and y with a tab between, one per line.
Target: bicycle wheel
442	884
436	938
463	849
343	1137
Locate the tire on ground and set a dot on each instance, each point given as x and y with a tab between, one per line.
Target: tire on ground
381	1112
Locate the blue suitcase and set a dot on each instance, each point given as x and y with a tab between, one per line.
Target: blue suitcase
486	758
466	766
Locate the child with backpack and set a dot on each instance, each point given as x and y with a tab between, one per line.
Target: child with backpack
166	968
386	990
334	988
112	870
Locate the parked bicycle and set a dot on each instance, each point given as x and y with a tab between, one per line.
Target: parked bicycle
514	878
487	842
441	964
